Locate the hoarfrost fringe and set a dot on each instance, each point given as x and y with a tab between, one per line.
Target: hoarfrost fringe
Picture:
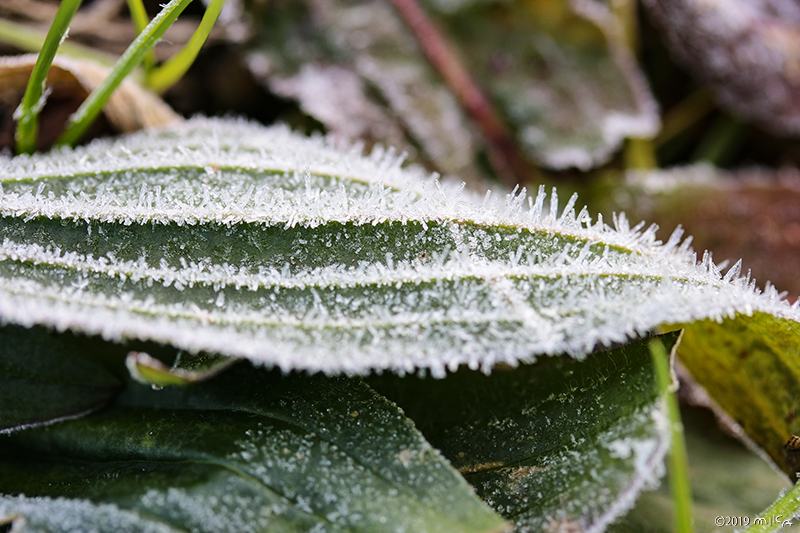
225	236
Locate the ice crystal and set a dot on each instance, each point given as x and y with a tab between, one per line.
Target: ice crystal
230	237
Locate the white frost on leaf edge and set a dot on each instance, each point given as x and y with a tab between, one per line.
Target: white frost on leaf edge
380	190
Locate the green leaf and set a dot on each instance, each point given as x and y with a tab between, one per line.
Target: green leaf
42	380
751	369
251	450
230	238
558	442
188	368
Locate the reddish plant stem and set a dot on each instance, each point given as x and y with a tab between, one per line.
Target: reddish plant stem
504	154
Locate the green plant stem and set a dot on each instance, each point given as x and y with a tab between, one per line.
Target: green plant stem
27	114
140	22
81	120
722	139
626	13
685	114
774	517
640	154
679	483
162	78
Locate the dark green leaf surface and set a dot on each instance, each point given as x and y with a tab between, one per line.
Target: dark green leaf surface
43	380
250	450
558	442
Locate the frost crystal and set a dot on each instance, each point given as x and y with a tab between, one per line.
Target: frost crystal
225	236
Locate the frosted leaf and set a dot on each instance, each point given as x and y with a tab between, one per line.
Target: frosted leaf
559	72
228	237
359	72
749	213
249	451
554	442
50	515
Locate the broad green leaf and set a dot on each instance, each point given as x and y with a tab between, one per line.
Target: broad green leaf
250	450
230	238
750	366
557	442
42	380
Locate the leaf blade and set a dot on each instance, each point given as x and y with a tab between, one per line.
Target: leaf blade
43	381
292	452
227	237
559	442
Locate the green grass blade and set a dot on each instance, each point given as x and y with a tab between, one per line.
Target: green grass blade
28	39
165	76
779	515
140	22
678	460
91	107
27	114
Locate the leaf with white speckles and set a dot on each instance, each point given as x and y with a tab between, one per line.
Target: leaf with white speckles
231	238
250	450
557	442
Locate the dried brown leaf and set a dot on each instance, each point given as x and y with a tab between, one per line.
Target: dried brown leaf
69	82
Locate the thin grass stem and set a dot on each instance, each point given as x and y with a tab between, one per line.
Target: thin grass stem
86	114
140	21
678	465
162	78
27	114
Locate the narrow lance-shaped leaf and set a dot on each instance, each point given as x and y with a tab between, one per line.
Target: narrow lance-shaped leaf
228	237
555	444
251	450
